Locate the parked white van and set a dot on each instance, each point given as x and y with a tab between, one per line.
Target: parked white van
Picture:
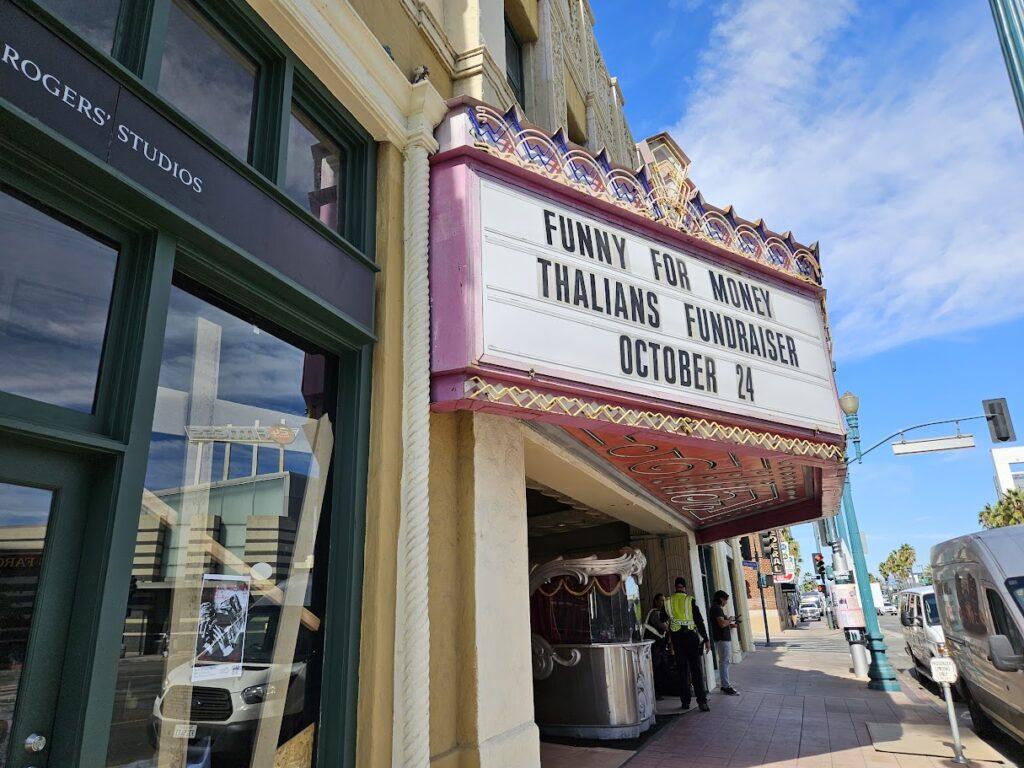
922	631
979	585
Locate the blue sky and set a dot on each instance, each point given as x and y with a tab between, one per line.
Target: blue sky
887	131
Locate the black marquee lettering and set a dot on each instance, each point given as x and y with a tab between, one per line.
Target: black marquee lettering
549	228
625	354
545	266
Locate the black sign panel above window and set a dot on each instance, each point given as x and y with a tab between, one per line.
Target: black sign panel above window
54	84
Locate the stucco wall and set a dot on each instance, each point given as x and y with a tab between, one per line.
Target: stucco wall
407	40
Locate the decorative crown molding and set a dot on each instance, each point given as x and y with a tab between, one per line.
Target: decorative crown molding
659	190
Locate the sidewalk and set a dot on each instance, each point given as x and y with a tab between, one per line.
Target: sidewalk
801	707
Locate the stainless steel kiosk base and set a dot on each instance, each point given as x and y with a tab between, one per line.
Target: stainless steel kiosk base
607	694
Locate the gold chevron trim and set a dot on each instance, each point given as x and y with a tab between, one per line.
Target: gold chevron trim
477	388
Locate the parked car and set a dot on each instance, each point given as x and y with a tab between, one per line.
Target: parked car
810	609
979	586
922	630
886	609
219	718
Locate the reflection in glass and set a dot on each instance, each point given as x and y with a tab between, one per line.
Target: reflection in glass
314	169
24	513
222	646
208	78
1015	587
55	289
94	20
931	610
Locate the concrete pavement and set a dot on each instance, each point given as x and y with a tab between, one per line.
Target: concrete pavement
801	707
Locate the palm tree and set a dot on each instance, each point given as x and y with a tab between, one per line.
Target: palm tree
1009	510
899	563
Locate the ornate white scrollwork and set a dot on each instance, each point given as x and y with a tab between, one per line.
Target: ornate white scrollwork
641	655
545	657
630	563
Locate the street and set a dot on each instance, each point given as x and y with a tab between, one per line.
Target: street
801	707
921	686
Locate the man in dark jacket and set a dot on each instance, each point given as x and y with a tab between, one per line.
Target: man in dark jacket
690	641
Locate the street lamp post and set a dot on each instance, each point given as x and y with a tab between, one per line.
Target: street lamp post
881	675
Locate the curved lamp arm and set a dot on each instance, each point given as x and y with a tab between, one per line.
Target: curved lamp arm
884	440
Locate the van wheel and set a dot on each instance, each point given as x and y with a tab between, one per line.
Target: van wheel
983	725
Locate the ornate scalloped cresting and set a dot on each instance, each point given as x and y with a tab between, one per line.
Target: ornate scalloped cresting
659	191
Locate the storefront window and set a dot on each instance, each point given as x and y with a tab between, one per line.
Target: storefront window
55	288
94	20
24	514
221	651
314	169
208	78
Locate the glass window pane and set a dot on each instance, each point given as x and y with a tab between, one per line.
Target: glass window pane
55	289
314	169
514	62
1016	588
222	644
24	513
94	20
208	78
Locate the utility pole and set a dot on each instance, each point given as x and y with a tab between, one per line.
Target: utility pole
760	588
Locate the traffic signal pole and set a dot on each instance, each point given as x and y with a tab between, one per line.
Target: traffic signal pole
764	608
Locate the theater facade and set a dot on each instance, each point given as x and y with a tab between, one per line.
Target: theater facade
190	249
624	379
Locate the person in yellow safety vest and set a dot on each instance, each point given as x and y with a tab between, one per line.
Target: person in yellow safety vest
690	641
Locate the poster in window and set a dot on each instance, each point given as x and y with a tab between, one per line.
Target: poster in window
220	638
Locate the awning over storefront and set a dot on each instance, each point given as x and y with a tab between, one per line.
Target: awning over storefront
684	347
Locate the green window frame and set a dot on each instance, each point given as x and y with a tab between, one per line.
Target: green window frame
139	41
155	245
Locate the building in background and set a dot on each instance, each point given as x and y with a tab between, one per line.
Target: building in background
776	602
1009	466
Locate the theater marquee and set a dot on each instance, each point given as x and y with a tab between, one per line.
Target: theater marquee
569	296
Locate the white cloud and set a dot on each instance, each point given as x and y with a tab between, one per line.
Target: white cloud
902	155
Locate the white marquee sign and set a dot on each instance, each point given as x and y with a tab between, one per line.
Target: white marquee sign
567	295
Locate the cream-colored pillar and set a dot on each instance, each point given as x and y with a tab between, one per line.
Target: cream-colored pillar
744	634
720	564
481	666
506	733
697	585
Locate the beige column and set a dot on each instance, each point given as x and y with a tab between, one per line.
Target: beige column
505	728
697	585
481	665
723	577
744	634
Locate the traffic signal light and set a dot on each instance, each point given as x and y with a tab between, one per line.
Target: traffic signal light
1000	427
768	542
819	563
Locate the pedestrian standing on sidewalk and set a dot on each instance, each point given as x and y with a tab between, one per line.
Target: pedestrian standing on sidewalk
721	631
656	629
690	641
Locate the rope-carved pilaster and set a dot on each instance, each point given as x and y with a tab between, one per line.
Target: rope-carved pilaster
411	744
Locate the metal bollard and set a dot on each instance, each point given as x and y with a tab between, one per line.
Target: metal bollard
859	654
